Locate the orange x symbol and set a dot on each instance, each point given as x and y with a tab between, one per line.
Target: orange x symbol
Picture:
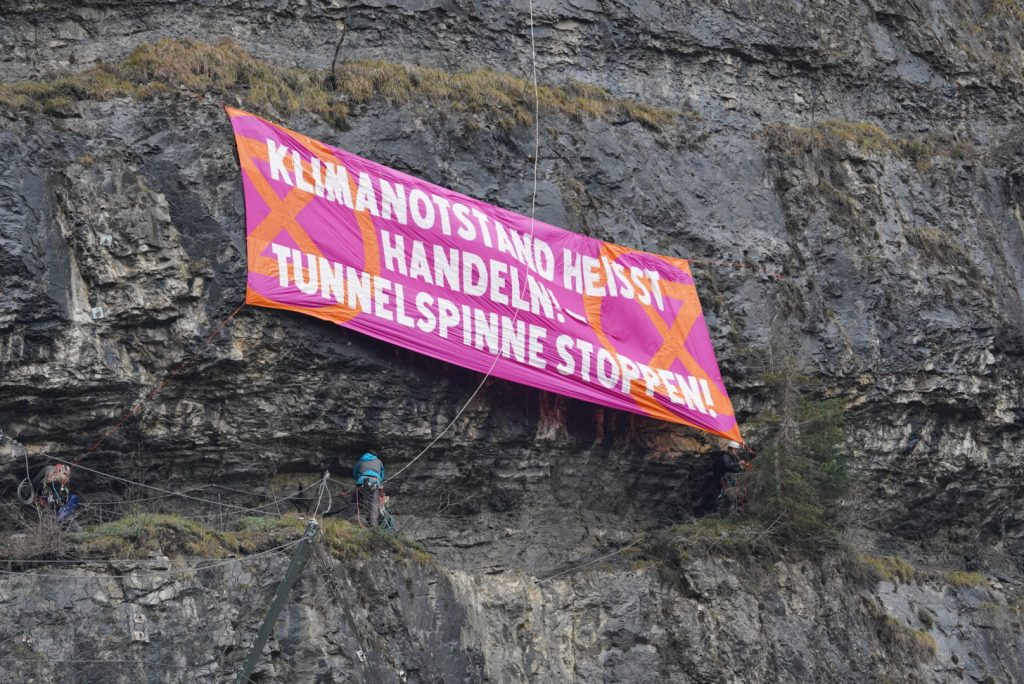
283	215
673	337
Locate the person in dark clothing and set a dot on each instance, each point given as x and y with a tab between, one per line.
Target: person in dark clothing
51	484
724	463
368	472
51	489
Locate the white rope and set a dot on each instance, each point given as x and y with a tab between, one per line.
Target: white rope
323	487
24	451
592	562
167	492
169	571
533	209
182	495
126	502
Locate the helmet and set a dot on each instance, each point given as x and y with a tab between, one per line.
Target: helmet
733	444
60	473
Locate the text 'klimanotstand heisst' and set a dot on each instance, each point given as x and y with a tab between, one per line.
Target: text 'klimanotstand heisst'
340	237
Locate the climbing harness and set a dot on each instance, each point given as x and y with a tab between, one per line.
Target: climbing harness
735	493
734	488
373	491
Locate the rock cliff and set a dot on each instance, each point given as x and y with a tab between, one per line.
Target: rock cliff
847	176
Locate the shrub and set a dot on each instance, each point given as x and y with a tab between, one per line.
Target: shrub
795	486
41	535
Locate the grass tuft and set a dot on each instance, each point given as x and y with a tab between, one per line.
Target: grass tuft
899	640
963	580
891	569
1012	10
224	68
137	536
734	537
939	247
834	138
924	644
140	536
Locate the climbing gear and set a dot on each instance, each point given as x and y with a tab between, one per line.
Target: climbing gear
735	492
368	498
371	506
53	493
26	494
387	521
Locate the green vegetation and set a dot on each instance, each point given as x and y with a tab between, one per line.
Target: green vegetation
939	247
827	146
895	569
347	541
926	618
136	536
139	536
924	644
794	488
831	138
801	474
891	569
963	580
225	69
901	642
1006	9
866	137
735	537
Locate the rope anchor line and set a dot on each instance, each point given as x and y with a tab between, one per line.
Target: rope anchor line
735	264
362	654
533	224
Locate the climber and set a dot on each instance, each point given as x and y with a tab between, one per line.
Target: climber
368	472
735	459
51	485
51	488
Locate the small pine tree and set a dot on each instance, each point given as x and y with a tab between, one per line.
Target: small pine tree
801	473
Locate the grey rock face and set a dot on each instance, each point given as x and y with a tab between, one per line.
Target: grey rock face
718	621
890	258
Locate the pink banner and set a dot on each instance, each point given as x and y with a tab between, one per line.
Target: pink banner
339	237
